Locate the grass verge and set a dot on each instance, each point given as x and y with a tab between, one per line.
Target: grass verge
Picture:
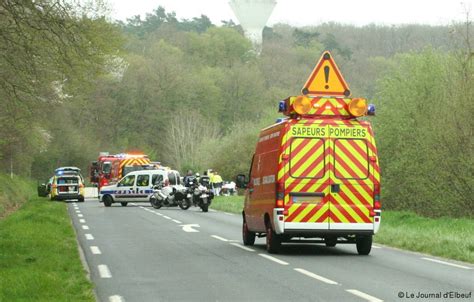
445	237
231	204
13	193
39	259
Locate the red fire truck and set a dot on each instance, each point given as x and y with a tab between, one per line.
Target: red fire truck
109	169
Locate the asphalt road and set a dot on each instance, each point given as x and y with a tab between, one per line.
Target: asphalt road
137	253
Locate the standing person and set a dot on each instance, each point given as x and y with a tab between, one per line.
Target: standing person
211	180
217	183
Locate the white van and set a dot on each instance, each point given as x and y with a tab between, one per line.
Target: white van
136	186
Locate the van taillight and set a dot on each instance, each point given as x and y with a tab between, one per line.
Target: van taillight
280	195
377	203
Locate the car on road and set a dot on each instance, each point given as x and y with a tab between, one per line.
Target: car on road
136	186
67	187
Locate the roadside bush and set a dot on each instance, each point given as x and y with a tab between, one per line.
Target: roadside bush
424	134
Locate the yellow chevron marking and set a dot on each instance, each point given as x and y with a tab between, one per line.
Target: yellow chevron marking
348	208
338	214
296	159
292	209
366	196
303	213
341	157
320	213
362	158
294	144
316	185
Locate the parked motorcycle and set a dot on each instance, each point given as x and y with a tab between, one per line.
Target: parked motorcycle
170	196
199	192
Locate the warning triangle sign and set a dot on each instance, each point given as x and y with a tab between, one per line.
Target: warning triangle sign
326	79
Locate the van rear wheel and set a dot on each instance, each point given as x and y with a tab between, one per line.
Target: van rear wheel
248	237
273	240
364	244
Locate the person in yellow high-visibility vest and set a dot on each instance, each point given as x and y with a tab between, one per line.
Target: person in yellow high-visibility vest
216	181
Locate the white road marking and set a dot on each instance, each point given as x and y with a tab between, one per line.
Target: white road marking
77	211
89	236
116	298
177	221
95	250
189	228
104	271
159	214
80	215
82	220
74	203
230	214
219	238
242	247
317	277
274	259
234	240
211	210
85	227
446	263
363	295
376	247
76	208
166	217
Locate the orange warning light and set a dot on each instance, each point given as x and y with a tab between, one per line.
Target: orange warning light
358	107
302	104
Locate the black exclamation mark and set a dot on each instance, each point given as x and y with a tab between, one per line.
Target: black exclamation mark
326	76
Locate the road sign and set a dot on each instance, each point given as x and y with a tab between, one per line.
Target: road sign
326	79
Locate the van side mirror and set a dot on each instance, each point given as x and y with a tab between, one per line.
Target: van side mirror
241	181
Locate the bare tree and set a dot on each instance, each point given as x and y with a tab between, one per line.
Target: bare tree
185	136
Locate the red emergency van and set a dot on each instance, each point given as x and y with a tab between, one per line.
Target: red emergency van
314	176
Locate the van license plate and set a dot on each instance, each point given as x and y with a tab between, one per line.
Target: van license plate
307	199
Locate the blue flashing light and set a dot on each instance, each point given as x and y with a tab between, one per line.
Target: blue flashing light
371	109
282	106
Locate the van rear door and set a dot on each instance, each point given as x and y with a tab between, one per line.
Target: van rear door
352	186
307	177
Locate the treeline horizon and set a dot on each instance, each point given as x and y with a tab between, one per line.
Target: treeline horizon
194	95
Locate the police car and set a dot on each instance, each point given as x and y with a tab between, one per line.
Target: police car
136	186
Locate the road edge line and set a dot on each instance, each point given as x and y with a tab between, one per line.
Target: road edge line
364	296
446	263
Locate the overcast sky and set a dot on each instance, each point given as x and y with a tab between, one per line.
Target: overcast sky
312	12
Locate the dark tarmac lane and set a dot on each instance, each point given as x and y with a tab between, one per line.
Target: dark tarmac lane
137	253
